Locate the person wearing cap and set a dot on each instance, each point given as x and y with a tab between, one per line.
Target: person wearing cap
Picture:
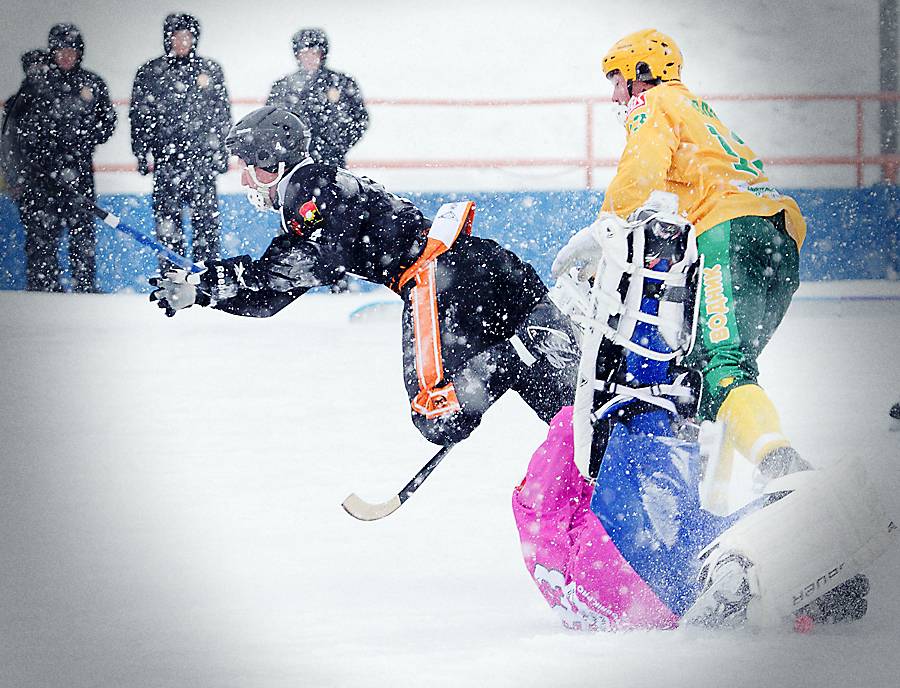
477	320
329	102
180	113
57	132
748	233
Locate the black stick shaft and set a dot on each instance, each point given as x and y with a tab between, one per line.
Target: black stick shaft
419	477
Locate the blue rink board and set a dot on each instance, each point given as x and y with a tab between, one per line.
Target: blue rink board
853	233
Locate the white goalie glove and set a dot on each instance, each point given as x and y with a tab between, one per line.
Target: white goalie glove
584	249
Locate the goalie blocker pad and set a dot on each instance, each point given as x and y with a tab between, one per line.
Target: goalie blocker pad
828	526
639	315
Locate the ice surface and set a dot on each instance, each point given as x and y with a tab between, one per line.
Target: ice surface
170	512
170	488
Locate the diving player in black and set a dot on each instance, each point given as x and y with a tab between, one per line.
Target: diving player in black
477	320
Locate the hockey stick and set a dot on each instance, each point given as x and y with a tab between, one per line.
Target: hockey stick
116	223
366	511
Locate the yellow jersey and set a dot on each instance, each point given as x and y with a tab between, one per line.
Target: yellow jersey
675	142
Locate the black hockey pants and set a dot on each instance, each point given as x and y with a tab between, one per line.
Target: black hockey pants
464	342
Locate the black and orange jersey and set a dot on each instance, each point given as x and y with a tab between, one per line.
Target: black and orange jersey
335	223
354	223
463	303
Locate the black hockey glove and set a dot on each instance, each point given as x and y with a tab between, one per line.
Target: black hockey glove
178	289
302	265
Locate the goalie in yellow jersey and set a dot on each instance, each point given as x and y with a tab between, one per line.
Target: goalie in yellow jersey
748	234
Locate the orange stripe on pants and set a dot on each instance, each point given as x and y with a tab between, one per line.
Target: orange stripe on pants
431	401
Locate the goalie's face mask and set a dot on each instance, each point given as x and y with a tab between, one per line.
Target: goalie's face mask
261	186
665	228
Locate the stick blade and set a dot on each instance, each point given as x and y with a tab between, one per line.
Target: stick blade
364	511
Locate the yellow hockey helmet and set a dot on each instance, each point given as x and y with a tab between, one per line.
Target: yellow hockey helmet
648	47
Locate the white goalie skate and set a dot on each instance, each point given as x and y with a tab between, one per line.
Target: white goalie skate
728	585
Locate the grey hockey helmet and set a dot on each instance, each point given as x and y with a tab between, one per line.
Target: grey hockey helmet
270	138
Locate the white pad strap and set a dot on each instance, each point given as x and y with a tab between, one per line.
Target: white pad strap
654	395
451	220
582	418
519	346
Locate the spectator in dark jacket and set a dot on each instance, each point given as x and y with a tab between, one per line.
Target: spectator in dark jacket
35	64
65	117
328	101
180	114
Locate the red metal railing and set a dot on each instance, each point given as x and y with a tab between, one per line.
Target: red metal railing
889	164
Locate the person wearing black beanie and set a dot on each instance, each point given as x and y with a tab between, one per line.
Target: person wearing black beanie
329	102
67	115
180	113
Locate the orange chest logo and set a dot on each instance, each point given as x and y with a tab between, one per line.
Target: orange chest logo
310	218
309	211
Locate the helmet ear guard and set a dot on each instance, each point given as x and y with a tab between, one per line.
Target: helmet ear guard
644	73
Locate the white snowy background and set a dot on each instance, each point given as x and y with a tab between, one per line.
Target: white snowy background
170	488
482	49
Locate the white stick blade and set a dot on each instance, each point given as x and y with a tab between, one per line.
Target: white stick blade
364	511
